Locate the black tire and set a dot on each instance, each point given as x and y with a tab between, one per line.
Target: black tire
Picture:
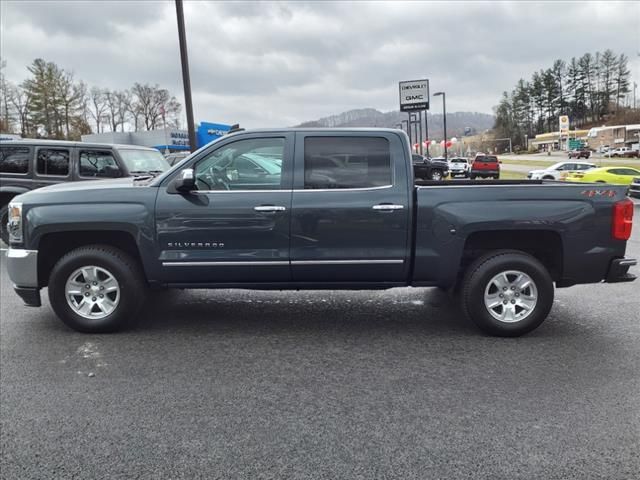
127	272
4	219
478	278
472	176
548	177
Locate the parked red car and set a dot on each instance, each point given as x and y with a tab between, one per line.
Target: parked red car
485	166
580	153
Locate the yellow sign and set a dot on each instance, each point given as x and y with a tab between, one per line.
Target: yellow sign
564	124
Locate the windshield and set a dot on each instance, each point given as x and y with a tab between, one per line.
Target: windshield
143	161
458	160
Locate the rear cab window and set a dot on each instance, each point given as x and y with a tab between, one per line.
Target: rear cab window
15	159
347	163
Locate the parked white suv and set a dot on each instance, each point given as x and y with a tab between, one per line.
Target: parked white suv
559	170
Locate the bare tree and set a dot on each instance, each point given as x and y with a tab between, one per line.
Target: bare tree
71	98
151	101
97	106
6	119
117	106
20	102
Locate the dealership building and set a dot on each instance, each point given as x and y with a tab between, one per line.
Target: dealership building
165	139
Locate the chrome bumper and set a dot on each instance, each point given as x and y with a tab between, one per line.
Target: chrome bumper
22	266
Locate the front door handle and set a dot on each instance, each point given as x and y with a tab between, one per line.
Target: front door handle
387	207
269	208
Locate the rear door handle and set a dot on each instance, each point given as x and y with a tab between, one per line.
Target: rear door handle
387	207
269	208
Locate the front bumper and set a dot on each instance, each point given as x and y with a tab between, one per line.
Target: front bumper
22	267
619	270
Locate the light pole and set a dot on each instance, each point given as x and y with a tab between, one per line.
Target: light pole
186	80
444	119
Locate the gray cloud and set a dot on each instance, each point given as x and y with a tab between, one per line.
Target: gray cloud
272	64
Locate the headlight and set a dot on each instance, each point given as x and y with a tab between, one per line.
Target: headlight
15	223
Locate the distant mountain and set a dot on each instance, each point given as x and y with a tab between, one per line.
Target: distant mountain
457	122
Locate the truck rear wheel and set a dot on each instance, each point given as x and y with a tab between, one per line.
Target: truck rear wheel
96	289
507	293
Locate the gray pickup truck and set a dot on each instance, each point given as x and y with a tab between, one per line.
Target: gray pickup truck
314	209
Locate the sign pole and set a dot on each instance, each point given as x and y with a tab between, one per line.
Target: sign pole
426	130
420	139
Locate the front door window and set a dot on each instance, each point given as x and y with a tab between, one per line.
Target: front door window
252	164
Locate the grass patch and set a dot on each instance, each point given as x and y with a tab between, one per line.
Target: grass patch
512	175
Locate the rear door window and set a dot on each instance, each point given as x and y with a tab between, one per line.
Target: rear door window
628	171
98	164
15	159
346	162
53	161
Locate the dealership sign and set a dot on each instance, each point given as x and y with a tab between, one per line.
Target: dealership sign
414	95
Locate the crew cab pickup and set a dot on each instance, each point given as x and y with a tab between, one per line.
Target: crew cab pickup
314	209
485	166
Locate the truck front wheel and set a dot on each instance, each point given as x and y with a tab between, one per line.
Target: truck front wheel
96	289
4	219
507	293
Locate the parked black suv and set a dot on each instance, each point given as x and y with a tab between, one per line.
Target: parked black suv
29	164
425	168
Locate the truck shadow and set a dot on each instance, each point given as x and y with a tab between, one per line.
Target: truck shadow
429	311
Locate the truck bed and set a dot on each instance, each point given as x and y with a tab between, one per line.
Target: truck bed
567	221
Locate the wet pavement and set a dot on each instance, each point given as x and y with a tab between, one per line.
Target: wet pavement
390	384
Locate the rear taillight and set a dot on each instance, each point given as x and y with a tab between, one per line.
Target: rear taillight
622	219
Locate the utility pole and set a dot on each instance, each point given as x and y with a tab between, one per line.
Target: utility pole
186	79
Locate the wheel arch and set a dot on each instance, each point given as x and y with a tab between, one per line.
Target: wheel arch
53	246
544	245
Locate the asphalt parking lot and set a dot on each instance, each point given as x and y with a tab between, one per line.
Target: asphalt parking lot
395	384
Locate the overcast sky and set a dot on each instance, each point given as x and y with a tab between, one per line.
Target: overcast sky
278	64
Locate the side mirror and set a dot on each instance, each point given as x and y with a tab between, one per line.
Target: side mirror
185	183
112	172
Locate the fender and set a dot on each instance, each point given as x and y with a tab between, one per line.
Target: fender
14	189
134	218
